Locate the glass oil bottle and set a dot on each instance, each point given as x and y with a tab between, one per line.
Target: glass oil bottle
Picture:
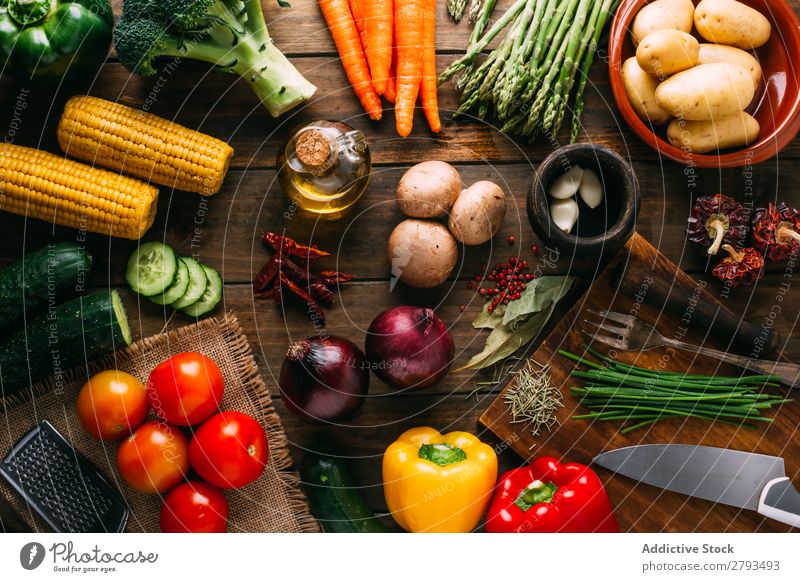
325	167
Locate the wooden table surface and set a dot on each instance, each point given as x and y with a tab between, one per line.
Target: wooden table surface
224	230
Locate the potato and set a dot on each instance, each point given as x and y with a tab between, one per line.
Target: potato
709	91
731	22
422	253
478	213
735	130
721	53
665	52
662	14
428	190
641	90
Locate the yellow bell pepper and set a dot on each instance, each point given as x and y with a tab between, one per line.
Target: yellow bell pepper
438	483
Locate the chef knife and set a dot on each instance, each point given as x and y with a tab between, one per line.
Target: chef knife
737	478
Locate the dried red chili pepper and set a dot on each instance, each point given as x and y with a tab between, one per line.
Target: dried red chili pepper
776	231
280	243
715	220
312	303
740	268
290	268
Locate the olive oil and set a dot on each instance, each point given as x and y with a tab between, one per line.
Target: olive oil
325	167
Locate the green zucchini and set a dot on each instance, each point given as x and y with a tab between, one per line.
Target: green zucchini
334	499
67	335
40	279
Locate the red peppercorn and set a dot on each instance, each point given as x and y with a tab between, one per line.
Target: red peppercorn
490	309
470	285
512	239
478	278
512	260
462	308
534	249
482	291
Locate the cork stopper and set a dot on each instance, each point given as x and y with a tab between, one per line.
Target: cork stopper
313	147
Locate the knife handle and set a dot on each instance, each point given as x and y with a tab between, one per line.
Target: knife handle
781	501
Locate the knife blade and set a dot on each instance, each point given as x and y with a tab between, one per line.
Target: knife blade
737	478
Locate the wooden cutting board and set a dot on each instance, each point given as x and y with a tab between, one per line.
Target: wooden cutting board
640	507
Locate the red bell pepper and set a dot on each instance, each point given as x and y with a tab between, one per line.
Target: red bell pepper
548	497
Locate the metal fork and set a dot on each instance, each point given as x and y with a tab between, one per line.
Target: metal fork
636	335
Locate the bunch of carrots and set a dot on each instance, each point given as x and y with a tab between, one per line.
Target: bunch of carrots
387	49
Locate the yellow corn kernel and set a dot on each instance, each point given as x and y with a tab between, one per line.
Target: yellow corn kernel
41	185
142	144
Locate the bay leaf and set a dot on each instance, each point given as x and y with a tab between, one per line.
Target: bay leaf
503	341
486	320
538	294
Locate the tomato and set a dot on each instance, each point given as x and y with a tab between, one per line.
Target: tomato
194	507
229	450
154	458
112	404
186	389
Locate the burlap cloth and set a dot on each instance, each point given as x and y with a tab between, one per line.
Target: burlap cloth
273	503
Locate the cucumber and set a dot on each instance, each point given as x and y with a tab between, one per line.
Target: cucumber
178	287
197	284
210	297
78	331
45	277
333	497
151	268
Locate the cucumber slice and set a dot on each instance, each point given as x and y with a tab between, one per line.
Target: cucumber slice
197	284
178	287
210	298
151	268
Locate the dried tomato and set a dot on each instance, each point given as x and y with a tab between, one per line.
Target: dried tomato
776	231
715	220
740	268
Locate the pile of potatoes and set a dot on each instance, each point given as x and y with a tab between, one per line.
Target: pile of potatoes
700	89
422	250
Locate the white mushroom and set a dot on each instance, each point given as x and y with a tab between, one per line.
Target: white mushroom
478	213
428	190
422	253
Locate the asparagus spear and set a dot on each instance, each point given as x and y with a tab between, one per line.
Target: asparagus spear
456	9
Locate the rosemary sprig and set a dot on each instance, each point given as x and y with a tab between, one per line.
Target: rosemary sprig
532	398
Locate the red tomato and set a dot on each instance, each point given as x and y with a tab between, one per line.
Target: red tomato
229	450
154	458
186	389
194	507
112	404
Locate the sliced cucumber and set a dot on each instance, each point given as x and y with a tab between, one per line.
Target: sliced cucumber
178	287
211	296
197	284
151	268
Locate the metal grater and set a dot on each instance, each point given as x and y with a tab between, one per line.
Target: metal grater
61	485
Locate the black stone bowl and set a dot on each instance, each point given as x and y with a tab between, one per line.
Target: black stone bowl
599	230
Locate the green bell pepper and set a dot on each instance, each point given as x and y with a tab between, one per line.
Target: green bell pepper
44	41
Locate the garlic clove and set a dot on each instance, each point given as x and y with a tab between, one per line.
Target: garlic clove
567	184
591	189
564	213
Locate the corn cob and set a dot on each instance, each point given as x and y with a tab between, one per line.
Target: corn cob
41	185
143	145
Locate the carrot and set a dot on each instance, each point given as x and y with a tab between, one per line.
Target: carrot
379	15
345	35
391	90
357	8
408	31
428	88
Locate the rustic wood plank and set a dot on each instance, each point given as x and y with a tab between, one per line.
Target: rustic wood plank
196	95
224	229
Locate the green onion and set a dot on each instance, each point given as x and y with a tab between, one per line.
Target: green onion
639	397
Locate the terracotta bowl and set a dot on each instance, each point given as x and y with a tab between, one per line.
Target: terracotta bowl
775	106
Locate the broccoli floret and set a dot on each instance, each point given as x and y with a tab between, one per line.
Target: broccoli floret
230	34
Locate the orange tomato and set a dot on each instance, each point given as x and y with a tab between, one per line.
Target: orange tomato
112	404
155	458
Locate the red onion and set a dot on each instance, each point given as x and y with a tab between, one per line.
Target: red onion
409	347
324	379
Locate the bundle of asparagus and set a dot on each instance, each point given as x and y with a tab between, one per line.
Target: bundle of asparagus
526	82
